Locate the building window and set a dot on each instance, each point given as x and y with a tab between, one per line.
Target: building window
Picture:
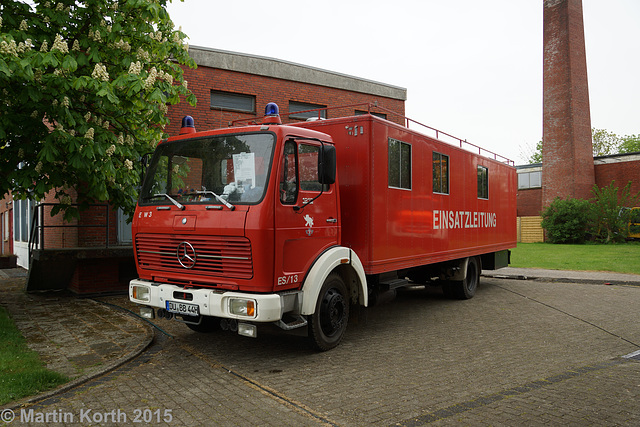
5	226
529	180
362	113
440	173
294	107
483	182
22	216
233	101
399	164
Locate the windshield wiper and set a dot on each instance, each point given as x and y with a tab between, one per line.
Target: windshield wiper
223	201
171	199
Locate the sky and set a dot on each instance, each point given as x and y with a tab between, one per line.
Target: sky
471	68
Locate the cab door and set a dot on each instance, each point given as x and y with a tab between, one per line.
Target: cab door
306	213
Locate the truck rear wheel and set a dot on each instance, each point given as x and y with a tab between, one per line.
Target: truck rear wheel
329	322
464	289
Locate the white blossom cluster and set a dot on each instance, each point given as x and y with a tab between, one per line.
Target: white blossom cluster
89	134
23	25
165	76
135	68
59	44
111	150
151	78
122	45
100	72
9	47
95	35
128	164
143	54
24	47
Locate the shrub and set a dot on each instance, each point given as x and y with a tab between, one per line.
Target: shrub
612	213
567	221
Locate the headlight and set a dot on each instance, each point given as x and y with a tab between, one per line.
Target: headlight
141	293
242	307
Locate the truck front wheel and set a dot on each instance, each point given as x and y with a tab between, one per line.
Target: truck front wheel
329	322
464	289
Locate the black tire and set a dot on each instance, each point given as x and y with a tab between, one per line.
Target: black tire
207	325
329	322
464	289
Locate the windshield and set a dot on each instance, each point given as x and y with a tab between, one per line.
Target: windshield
229	167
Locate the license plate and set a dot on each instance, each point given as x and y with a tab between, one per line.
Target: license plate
183	308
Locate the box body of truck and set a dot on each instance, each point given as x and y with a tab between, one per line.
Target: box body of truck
293	224
410	200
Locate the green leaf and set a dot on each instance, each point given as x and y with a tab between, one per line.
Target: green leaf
4	68
69	63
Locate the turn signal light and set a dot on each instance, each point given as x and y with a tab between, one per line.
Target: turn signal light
242	307
140	293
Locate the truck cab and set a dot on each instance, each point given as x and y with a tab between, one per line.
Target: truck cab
229	223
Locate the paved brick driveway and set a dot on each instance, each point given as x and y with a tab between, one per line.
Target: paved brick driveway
520	352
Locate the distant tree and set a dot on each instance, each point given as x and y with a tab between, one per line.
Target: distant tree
604	142
630	144
84	91
536	156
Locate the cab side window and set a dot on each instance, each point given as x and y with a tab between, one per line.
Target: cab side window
289	180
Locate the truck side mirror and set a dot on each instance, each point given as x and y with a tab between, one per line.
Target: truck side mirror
327	164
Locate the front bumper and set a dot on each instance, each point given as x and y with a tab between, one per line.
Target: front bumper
222	304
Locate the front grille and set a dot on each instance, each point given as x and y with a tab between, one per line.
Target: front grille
214	256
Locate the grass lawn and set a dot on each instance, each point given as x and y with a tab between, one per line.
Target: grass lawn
620	258
22	373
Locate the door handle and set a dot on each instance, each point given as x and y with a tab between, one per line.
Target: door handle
332	220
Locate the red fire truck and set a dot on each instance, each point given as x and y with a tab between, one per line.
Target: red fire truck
293	224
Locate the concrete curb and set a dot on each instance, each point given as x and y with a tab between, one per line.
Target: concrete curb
545	278
107	368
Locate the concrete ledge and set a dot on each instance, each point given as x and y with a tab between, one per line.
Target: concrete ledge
83	271
270	67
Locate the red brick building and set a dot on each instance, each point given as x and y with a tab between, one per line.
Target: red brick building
621	168
94	254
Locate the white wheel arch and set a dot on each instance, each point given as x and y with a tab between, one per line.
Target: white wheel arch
328	262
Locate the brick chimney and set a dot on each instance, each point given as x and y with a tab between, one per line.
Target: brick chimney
567	154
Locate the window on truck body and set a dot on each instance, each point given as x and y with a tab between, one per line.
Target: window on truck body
440	173
483	182
399	164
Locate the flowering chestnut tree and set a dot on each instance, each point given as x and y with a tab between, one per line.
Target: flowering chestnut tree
84	89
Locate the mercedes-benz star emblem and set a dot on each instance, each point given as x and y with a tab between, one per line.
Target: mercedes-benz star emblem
186	255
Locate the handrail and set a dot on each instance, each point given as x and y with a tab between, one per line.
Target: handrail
464	144
36	235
